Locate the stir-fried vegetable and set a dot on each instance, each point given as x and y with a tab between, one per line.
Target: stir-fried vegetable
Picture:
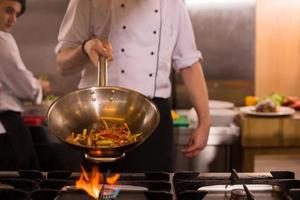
109	134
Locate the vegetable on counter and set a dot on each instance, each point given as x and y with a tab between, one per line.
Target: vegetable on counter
266	106
179	120
50	97
174	115
251	100
48	100
292	101
275	99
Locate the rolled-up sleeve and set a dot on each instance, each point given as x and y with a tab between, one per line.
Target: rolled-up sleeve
75	27
185	52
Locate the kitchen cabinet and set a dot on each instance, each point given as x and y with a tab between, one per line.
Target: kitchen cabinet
277	55
269	136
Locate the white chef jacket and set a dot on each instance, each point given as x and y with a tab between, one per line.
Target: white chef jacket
16	82
147	37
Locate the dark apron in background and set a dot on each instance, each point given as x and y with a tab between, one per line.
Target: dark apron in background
16	146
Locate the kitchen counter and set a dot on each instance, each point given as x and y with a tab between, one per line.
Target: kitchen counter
269	136
270	131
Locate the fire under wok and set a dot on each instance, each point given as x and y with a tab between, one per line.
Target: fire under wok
87	109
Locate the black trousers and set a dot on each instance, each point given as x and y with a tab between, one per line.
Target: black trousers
154	154
16	146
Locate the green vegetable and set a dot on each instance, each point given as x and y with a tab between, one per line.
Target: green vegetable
277	98
50	97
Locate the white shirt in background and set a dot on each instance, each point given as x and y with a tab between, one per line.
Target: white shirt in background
16	82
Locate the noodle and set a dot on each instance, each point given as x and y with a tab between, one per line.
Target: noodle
110	134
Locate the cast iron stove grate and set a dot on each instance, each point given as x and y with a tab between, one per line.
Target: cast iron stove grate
195	185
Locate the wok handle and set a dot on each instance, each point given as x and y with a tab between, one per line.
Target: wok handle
102	71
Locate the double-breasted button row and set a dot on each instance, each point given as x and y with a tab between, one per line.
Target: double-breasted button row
151	53
124	27
123	6
123	49
123	72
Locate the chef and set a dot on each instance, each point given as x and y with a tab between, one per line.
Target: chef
145	38
16	84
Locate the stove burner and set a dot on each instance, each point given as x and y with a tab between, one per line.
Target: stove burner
248	193
71	192
241	194
110	194
238	194
73	195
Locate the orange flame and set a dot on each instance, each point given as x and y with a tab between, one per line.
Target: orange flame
92	184
113	179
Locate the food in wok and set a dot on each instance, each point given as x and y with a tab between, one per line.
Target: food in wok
110	134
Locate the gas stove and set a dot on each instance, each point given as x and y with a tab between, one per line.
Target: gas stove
35	185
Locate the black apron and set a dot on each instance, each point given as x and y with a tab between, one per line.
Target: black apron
16	146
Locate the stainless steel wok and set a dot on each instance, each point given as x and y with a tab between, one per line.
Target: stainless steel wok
85	108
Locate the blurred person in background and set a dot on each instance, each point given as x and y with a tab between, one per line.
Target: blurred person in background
145	38
16	84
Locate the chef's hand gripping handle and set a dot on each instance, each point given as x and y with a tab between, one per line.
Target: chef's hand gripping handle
102	71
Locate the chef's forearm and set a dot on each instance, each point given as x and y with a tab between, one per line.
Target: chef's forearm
195	83
71	60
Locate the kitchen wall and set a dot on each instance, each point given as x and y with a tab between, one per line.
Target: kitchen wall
225	34
277	47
